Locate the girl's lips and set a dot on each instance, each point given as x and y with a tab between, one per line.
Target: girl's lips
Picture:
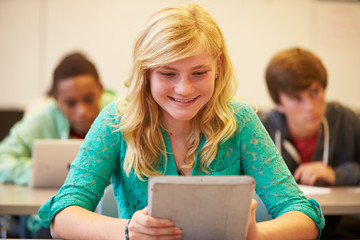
184	100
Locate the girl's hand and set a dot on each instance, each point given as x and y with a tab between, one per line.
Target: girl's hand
143	226
253	229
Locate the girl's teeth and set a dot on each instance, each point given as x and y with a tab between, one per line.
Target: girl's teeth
181	100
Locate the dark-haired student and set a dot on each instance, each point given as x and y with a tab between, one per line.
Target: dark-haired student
74	100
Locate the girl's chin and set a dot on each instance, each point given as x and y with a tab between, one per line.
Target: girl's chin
183	117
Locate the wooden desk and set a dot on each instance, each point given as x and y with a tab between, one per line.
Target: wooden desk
22	200
340	201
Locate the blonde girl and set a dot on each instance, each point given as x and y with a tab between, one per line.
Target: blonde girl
178	118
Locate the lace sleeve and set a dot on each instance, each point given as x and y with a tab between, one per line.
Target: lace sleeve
92	168
274	183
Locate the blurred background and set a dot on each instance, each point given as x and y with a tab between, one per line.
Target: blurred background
36	34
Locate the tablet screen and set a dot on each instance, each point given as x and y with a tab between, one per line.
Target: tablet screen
204	207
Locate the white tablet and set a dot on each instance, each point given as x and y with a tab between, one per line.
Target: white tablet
204	207
51	161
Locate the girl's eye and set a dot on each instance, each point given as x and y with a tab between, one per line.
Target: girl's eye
199	73
167	74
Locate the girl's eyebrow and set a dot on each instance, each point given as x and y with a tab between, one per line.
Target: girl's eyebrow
194	68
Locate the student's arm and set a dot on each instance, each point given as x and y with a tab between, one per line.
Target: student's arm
290	225
293	213
74	205
344	152
75	222
312	173
348	173
14	168
16	149
15	154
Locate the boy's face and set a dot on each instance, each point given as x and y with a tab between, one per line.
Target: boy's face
304	111
79	98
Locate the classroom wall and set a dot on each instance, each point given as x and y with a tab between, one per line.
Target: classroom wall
36	34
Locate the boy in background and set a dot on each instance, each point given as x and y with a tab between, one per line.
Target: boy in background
319	140
74	100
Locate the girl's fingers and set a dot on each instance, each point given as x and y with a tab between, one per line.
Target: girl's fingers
143	225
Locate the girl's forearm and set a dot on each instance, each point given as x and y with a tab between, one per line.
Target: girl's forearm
290	225
75	222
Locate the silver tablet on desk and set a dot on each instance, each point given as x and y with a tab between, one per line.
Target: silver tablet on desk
204	207
51	161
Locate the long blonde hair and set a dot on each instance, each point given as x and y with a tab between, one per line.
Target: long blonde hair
171	34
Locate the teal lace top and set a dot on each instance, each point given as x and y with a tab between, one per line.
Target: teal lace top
250	151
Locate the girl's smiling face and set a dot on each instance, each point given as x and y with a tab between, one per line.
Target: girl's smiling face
183	87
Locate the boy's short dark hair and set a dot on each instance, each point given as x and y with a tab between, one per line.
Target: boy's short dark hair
72	65
294	70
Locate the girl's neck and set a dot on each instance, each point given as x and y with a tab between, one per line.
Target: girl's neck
179	132
178	129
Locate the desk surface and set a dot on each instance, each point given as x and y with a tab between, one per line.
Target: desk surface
340	201
22	200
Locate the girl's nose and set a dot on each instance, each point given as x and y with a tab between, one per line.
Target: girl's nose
184	86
